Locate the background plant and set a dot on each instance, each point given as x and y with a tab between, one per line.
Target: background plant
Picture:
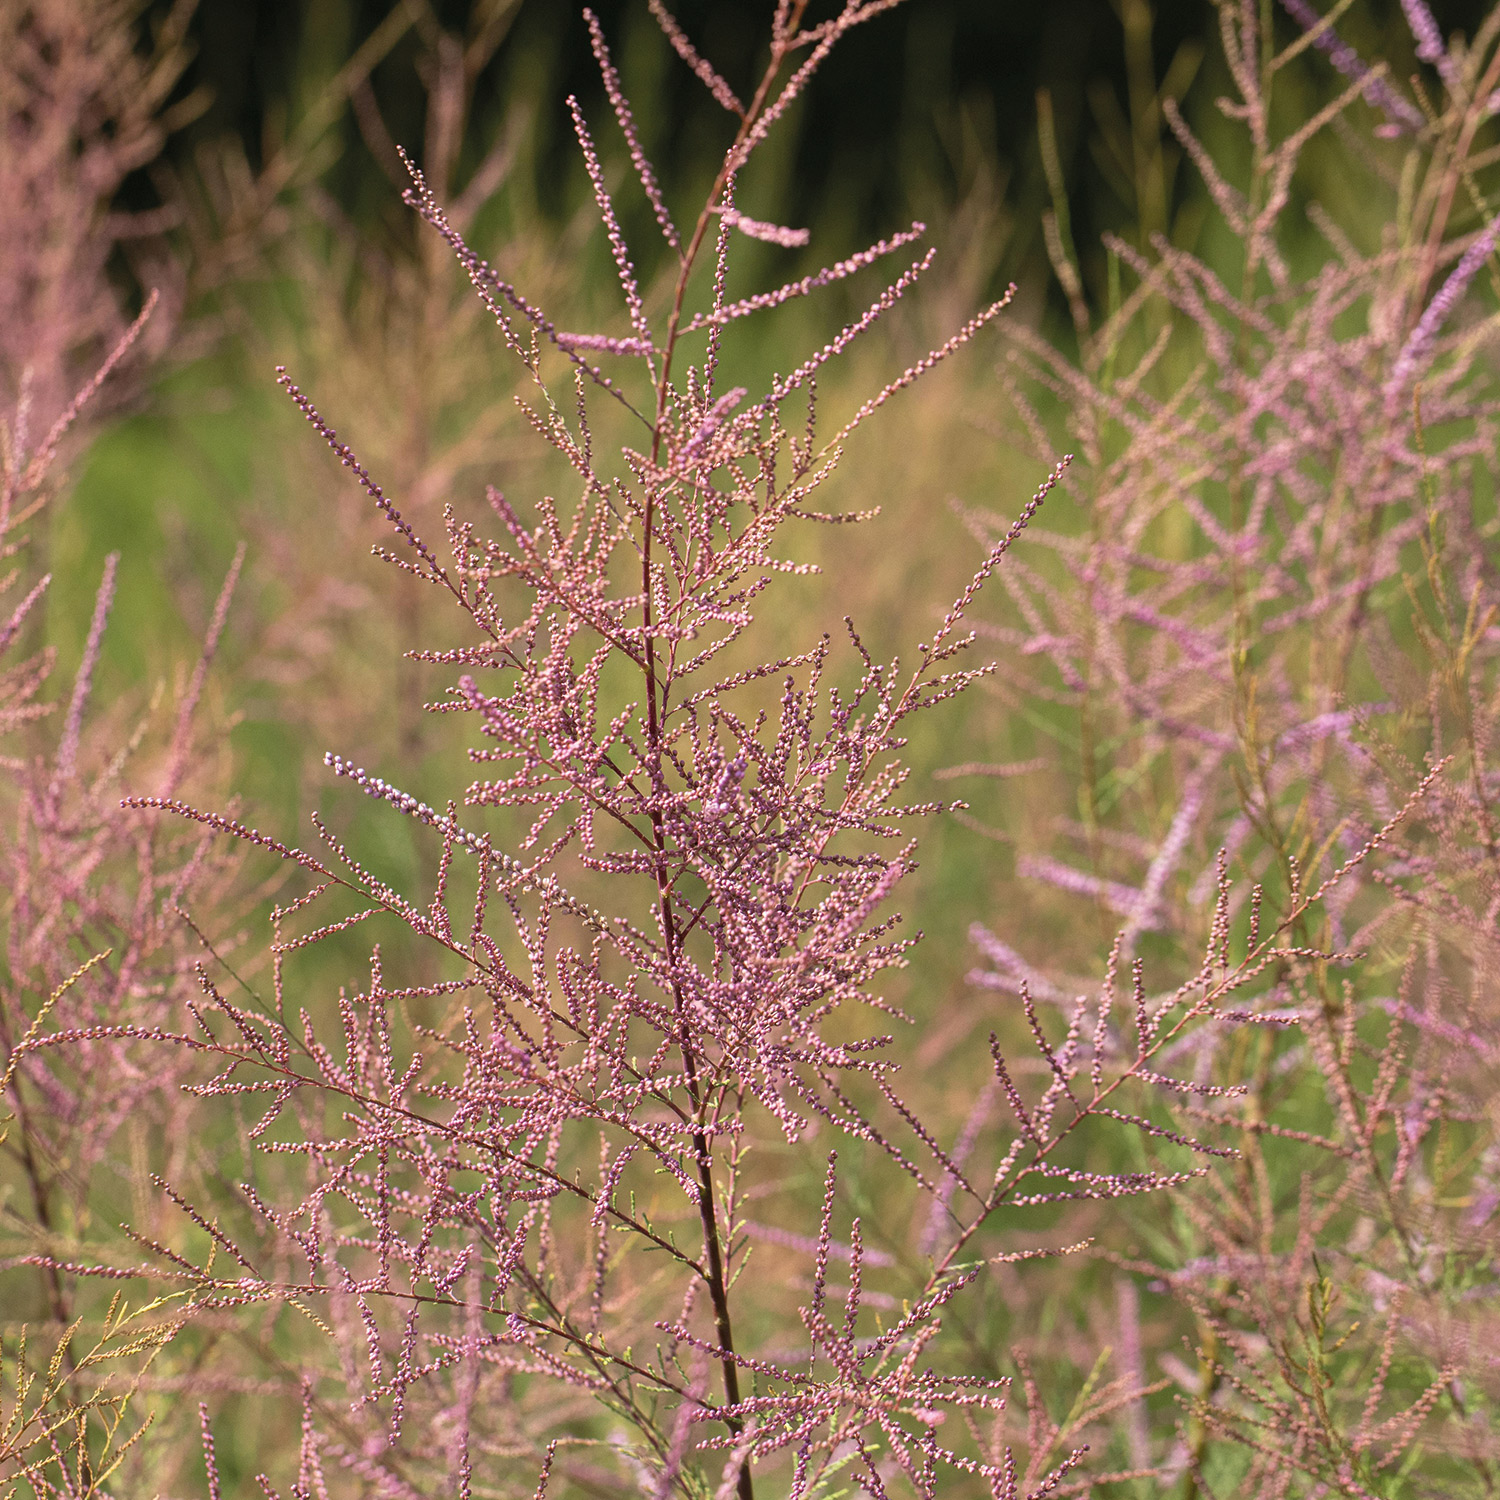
95	952
1273	624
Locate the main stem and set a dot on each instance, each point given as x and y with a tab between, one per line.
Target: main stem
713	1244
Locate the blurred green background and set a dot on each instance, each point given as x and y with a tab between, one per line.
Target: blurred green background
907	113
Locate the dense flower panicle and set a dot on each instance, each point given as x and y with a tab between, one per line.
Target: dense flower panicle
573	1083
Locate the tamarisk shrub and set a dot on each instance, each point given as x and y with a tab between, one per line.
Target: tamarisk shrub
95	966
514	1184
1273	630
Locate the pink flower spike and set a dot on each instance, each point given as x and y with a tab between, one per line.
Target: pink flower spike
757	229
1416	353
626	118
689	54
